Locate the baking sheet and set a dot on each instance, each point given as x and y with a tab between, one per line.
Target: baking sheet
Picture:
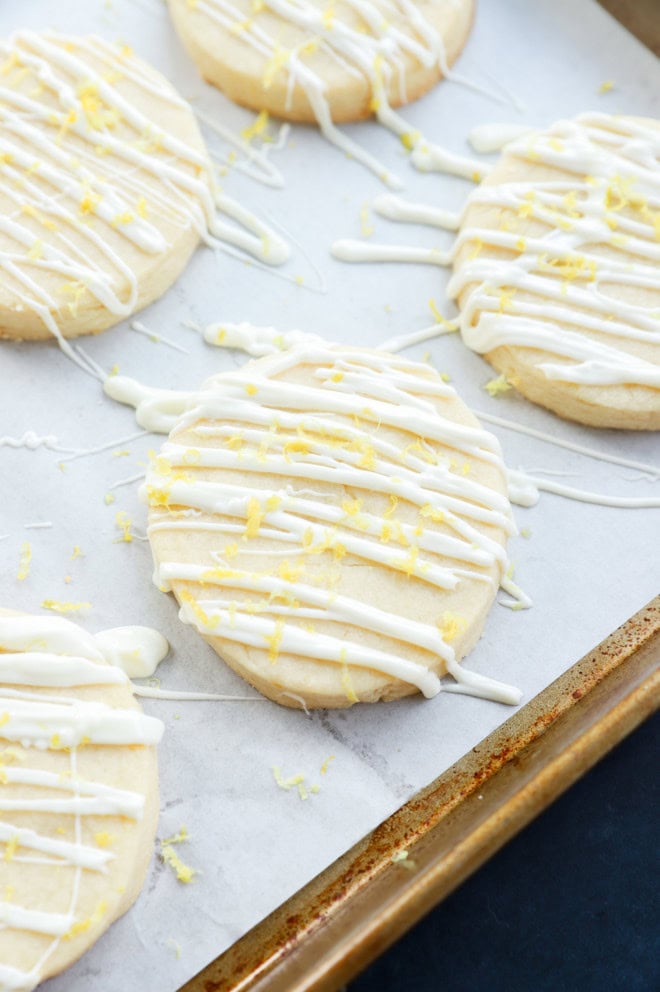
587	568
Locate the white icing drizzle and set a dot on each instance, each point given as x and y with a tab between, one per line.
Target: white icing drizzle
129	481
524	490
151	692
613	164
157	410
351	250
139	327
255	340
73	148
493	137
397	209
523	297
402	341
137	651
603	456
258	165
315	433
51	652
87	857
32	441
99	449
375	54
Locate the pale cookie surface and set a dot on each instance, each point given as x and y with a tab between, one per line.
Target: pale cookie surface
557	270
332	520
312	59
105	185
78	795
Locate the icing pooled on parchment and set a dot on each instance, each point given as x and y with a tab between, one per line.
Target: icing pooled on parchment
249	424
48	666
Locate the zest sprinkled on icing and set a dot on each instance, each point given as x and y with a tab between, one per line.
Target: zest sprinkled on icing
255	340
263	425
604	211
373	51
85	153
52	653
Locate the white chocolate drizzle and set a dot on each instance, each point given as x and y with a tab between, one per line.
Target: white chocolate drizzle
524	490
156	409
137	651
257	165
31	441
493	137
316	434
53	653
375	54
71	147
540	286
537	284
255	340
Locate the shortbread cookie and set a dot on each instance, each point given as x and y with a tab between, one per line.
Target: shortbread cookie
311	60
105	185
78	795
333	520
557	270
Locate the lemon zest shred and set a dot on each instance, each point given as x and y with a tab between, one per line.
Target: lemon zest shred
24	561
65	606
495	387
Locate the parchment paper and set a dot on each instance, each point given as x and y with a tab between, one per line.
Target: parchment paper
587	568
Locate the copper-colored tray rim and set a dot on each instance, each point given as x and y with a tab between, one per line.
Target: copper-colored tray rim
349	914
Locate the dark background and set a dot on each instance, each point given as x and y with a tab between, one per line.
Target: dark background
570	905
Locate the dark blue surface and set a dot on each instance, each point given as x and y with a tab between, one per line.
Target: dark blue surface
570	905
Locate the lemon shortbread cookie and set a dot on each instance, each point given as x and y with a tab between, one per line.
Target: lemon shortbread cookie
333	520
78	794
105	185
313	59
558	273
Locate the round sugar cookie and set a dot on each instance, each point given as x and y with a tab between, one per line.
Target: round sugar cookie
105	185
292	59
78	795
557	269
333	520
